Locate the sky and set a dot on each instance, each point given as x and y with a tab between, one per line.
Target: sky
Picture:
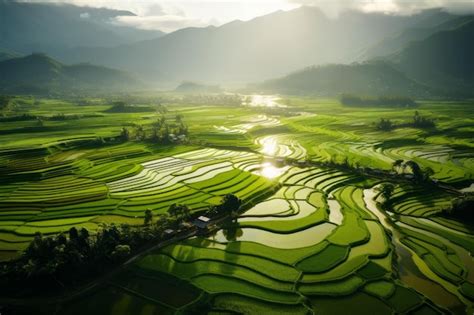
170	15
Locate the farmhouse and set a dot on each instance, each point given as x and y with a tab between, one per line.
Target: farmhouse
202	222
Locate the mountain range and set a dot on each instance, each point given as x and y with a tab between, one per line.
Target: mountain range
369	78
265	47
27	27
428	53
440	65
40	74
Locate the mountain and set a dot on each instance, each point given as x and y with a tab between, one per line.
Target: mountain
28	27
40	74
265	47
370	78
194	87
4	55
422	30
444	60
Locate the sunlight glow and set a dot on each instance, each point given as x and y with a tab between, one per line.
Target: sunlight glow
270	146
270	171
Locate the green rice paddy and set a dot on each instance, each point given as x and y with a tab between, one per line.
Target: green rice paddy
311	238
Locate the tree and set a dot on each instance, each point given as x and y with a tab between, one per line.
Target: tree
396	165
125	134
73	234
415	169
84	234
5	102
427	173
120	252
185	212
230	204
39	122
148	217
179	212
422	122
386	190
140	132
385	124
173	210
462	208
83	243
155	134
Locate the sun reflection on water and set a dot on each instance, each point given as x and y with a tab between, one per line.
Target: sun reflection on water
270	146
269	170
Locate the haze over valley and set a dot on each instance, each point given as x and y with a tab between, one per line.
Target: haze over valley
236	157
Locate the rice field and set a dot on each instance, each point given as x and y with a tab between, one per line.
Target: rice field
311	238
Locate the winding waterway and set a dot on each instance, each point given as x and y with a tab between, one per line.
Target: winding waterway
407	265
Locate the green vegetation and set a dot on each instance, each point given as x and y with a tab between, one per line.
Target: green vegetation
461	208
353	100
41	74
294	189
350	190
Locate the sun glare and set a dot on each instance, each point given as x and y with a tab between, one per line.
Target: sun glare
270	146
269	170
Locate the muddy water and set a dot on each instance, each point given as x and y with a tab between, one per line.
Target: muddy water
335	214
409	273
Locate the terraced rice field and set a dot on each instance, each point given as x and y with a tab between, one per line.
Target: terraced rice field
311	238
102	190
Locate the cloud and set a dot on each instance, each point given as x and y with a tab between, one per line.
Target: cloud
84	15
164	15
170	15
334	7
165	23
161	16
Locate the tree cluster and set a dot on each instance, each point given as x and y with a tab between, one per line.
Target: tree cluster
418	122
123	107
229	205
385	125
422	122
179	212
50	263
161	131
5	101
419	174
385	190
210	99
462	208
398	101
